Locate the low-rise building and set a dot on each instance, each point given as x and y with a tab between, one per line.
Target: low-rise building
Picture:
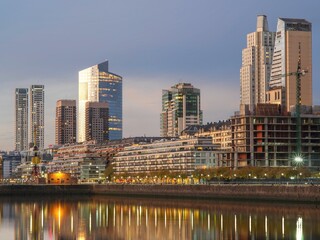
176	155
92	172
83	160
10	161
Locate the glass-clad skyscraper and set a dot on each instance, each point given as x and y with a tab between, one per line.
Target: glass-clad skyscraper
97	84
180	109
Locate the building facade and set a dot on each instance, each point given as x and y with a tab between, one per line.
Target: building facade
96	121
10	162
256	64
220	132
66	118
180	108
21	119
37	115
293	41
270	140
97	84
174	156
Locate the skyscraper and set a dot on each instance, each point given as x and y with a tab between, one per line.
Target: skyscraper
97	84
96	121
66	116
180	109
21	119
293	39
37	115
256	64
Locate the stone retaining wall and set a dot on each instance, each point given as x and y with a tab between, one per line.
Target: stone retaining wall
299	193
307	193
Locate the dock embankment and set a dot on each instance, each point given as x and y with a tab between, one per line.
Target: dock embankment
290	193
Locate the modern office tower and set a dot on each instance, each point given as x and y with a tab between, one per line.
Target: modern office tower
96	121
180	109
293	39
256	64
66	115
37	115
21	119
97	84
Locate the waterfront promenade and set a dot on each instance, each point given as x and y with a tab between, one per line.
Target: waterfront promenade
290	193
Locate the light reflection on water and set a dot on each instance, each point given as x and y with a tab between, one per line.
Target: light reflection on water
135	218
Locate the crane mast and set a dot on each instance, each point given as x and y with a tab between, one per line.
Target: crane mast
298	75
35	159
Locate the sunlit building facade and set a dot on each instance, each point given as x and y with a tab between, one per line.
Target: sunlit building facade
37	115
21	119
293	39
66	116
256	64
97	84
180	108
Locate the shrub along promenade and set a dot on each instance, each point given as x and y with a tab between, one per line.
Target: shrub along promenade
231	191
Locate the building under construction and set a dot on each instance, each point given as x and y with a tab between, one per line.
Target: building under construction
269	139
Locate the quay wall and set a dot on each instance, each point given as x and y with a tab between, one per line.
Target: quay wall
294	193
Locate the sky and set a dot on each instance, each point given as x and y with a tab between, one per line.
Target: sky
152	44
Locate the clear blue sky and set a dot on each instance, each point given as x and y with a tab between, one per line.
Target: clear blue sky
152	44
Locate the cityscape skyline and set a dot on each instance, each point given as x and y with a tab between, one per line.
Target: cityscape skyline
205	70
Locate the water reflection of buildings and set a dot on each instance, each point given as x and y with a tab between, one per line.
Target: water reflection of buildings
101	218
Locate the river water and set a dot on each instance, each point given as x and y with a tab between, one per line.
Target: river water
106	217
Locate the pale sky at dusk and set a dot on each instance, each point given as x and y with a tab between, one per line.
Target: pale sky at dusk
151	44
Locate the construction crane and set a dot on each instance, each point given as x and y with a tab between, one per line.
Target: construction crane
35	159
298	157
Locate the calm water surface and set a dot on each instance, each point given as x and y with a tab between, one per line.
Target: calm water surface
135	218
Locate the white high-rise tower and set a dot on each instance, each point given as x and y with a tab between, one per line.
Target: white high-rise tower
21	119
37	115
256	64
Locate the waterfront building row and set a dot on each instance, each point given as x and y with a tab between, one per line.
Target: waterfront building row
177	155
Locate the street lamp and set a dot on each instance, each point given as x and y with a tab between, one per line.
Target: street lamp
298	159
